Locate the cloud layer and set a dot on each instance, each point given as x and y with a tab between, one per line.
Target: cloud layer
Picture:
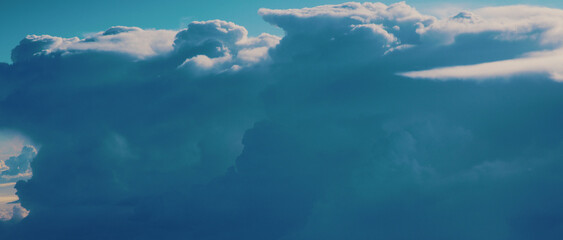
541	26
324	133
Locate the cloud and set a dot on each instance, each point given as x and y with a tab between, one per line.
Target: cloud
400	12
13	169
10	210
218	46
134	42
12	213
382	27
19	165
538	63
540	25
207	133
509	22
11	144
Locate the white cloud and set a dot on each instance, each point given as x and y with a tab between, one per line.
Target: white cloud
226	39
9	210
14	169
377	29
202	62
199	32
365	12
263	40
538	25
511	22
11	144
135	42
395	23
539	63
12	212
217	46
221	46
253	54
3	185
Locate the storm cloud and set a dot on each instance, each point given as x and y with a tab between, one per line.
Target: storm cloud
337	130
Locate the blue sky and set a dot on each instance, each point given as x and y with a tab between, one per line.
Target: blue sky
419	120
76	18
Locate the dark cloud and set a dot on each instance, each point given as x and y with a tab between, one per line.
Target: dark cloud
221	136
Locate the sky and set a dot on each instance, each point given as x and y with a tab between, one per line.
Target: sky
77	18
176	120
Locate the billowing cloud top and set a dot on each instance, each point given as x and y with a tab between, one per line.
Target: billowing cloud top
221	45
389	26
207	45
334	131
539	26
132	41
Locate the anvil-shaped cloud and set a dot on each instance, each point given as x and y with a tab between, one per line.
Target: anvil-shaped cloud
542	26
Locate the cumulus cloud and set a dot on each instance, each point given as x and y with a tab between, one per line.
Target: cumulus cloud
380	26
135	42
539	25
208	133
13	169
207	45
219	46
18	166
510	22
10	210
362	12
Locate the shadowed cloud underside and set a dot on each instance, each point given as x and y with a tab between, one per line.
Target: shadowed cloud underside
337	130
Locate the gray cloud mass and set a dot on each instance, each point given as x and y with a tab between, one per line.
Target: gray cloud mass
337	130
